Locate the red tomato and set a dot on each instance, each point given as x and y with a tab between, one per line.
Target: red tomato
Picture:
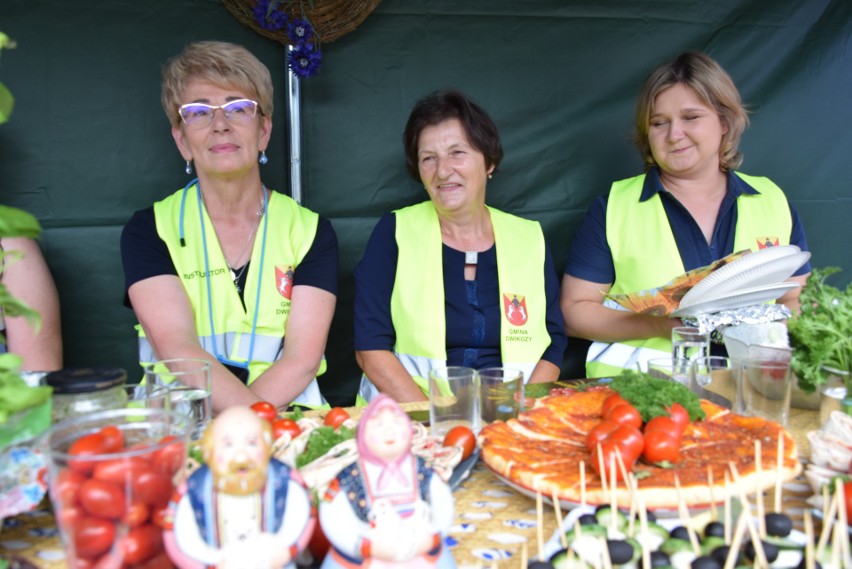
461	436
265	410
66	485
680	415
92	444
159	561
68	516
171	457
604	457
335	417
142	543
113	438
847	494
599	433
101	498
613	400
162	517
111	560
661	446
288	426
137	514
121	470
625	414
152	488
93	536
665	424
629	441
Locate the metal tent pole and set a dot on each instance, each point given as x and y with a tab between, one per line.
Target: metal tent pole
294	107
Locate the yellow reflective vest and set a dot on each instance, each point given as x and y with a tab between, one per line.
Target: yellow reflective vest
645	254
224	327
417	301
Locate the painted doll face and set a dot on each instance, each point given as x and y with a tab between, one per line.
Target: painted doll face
387	434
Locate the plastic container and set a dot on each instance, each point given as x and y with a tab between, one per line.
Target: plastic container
79	391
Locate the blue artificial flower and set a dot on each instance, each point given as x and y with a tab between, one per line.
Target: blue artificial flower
305	60
299	31
274	20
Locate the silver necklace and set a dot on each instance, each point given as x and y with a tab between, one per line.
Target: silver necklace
235	276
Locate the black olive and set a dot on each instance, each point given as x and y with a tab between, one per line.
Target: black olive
770	549
539	565
587	520
721	553
651	516
660	559
779	525
804	565
705	562
716	529
680	532
619	551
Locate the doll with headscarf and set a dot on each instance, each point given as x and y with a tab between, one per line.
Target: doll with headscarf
386	509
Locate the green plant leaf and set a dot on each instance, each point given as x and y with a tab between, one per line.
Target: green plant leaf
16	222
7	103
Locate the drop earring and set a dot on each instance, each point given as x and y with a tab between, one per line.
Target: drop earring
263	159
188	167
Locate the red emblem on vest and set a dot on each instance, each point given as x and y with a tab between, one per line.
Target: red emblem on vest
284	281
515	307
764	242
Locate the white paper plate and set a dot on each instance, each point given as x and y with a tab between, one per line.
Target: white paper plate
735	300
764	267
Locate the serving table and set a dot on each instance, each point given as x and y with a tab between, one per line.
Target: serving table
495	526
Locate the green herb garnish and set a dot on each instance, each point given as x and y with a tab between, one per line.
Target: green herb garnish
652	396
821	334
322	439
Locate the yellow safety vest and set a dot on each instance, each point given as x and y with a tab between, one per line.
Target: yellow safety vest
417	301
645	254
224	327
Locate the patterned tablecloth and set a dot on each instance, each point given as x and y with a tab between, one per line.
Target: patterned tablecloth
493	522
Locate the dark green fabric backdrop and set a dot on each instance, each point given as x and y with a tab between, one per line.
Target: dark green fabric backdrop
88	143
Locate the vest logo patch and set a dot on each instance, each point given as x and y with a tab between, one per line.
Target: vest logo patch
284	280
515	308
764	242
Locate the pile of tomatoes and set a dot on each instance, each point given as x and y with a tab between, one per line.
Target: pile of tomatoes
621	438
281	425
111	508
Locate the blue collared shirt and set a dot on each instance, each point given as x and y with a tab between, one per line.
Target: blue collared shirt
591	257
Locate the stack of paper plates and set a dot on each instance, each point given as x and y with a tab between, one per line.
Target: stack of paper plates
752	279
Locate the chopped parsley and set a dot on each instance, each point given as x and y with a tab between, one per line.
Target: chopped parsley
321	440
651	395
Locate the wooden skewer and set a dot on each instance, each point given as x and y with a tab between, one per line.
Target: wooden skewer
752	531
539	518
602	470
714	515
758	493
809	540
643	528
607	560
557	510
684	515
631	483
827	522
836	548
843	522
779	468
524	556
737	540
613	503
727	508
825	501
582	484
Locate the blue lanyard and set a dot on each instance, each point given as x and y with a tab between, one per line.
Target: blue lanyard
220	357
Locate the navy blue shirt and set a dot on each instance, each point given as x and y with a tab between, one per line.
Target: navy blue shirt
591	257
472	309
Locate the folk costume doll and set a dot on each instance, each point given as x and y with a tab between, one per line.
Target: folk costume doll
242	509
387	509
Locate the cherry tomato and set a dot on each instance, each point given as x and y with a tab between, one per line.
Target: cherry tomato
152	488
142	543
679	414
93	536
136	514
113	438
159	561
661	446
288	426
604	457
88	445
599	433
625	414
335	417
847	494
613	400
68	516
66	485
171	457
629	441
461	436
265	410
110	560
665	424
162	517
121	470
102	498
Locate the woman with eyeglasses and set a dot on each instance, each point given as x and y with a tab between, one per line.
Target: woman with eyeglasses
225	268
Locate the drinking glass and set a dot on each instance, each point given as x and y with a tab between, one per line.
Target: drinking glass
712	369
689	343
765	388
190	385
502	393
454	399
668	368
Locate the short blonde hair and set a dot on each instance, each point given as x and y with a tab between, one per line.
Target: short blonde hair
221	63
714	87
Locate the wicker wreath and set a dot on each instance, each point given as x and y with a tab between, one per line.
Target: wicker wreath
331	19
